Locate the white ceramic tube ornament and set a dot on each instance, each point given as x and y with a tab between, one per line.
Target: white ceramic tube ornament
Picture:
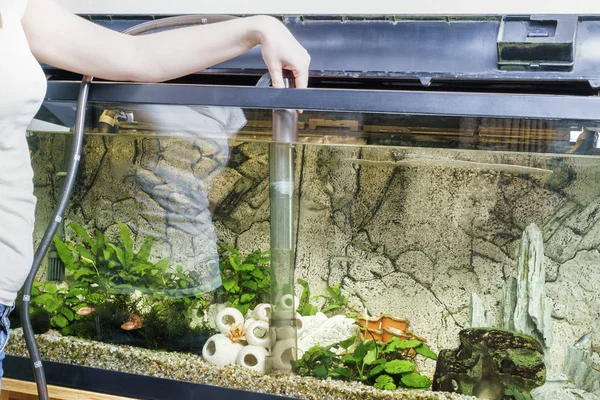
262	312
220	350
284	354
288	301
227	317
299	324
254	358
289	332
258	334
248	322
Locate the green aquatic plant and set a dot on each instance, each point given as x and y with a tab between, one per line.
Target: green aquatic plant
168	328
246	280
115	268
384	365
304	305
105	272
320	362
59	302
334	301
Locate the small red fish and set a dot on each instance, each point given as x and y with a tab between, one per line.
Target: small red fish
85	311
135	322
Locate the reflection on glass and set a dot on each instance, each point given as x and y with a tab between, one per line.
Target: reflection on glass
327	127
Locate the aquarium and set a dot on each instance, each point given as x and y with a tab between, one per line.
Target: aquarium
363	253
425	228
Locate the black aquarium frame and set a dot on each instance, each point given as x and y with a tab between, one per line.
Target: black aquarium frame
125	384
460	104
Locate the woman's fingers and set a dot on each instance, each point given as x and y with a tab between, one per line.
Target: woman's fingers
301	77
281	50
276	72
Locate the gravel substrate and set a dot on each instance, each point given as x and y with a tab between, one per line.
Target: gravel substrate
189	367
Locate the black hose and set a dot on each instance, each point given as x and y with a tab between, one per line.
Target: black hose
67	188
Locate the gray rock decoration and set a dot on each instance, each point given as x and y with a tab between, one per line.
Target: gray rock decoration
491	364
579	369
478	317
579	380
526	308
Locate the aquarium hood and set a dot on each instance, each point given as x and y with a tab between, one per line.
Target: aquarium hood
516	66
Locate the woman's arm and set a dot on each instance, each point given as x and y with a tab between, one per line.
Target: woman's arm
61	39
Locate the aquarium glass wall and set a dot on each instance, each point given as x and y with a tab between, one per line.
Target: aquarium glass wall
438	253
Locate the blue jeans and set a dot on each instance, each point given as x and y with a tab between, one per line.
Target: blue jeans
4	328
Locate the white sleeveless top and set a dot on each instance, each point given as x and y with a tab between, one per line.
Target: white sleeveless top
22	88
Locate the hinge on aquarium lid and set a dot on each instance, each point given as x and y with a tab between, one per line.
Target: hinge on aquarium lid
537	42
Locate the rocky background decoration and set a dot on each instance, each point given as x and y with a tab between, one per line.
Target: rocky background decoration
406	231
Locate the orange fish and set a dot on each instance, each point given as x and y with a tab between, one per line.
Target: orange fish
135	322
85	311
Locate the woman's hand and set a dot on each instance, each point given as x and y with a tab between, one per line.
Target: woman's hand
280	50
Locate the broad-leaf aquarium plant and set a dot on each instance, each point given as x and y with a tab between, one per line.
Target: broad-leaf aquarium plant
58	301
246	280
116	269
113	290
388	365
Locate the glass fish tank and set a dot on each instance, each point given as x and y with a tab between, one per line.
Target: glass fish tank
380	235
436	255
